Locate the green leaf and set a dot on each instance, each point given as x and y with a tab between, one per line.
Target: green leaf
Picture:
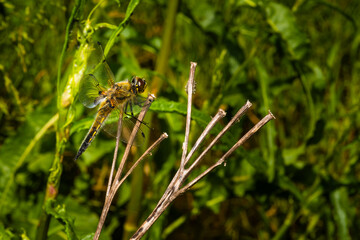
339	199
269	136
283	21
173	226
130	9
5	234
163	105
42	162
124	193
84	219
59	212
250	3
286	184
88	236
201	118
256	160
206	16
14	152
291	156
97	149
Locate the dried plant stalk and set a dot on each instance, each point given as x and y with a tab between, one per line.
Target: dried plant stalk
175	188
114	185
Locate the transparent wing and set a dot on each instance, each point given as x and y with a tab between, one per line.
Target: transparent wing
127	126
99	67
133	106
104	66
139	100
109	73
90	91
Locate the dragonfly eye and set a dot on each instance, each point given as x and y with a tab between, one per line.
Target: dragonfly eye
138	84
141	85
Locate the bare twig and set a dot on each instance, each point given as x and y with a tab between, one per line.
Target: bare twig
237	116
251	132
140	118
118	135
147	152
220	114
115	184
174	189
190	90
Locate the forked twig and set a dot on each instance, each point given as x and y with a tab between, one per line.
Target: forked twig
114	185
175	187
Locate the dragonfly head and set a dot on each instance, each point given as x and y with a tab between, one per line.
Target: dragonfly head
138	84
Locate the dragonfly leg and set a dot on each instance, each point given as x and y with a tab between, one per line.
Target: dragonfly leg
131	109
125	108
142	122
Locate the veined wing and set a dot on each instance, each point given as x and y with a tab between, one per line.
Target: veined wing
128	125
133	105
90	94
99	67
109	74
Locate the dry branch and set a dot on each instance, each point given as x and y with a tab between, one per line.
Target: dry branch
114	185
175	187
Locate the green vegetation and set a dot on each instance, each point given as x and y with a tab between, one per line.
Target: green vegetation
298	178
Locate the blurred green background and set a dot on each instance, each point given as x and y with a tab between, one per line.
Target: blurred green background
297	178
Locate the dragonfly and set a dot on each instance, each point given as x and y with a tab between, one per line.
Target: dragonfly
114	100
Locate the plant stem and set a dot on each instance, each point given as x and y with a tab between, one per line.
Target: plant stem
174	188
117	182
167	41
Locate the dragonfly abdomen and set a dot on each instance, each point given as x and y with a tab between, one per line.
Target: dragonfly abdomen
95	128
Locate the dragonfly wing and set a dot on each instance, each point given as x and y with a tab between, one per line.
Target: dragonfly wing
90	90
109	73
133	106
127	126
139	100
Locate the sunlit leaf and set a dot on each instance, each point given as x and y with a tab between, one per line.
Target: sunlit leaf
163	105
340	202
5	233
59	212
12	154
283	21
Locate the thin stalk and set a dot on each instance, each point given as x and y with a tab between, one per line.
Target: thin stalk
237	116
65	45
167	41
93	10
118	135
117	182
220	114
56	169
132	207
174	188
190	90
